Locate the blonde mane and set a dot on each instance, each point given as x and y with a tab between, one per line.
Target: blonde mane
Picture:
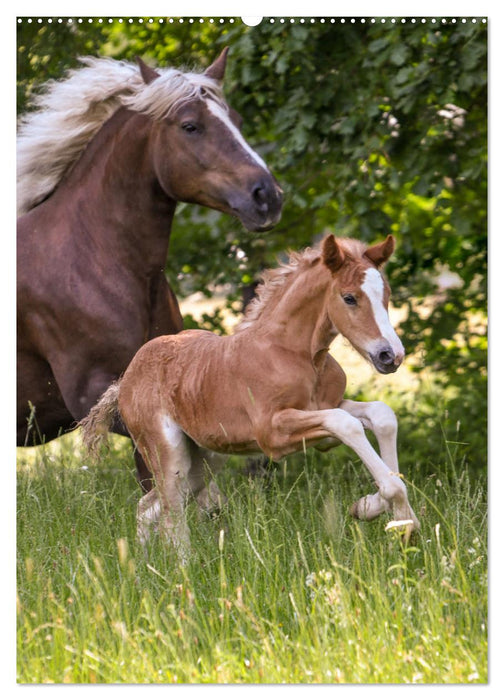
71	111
273	281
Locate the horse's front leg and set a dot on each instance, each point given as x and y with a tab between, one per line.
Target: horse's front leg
381	420
292	428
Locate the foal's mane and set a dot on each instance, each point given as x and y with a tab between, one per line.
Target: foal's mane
68	113
274	280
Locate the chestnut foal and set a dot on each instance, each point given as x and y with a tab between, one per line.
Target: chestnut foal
272	387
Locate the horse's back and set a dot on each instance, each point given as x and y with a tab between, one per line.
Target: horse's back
157	369
191	379
166	349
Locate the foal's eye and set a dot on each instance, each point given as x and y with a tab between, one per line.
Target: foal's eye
349	299
189	127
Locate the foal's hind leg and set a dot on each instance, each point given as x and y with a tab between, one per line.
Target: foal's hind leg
380	419
144	476
204	466
148	514
167	452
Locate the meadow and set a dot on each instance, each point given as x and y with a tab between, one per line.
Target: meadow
282	586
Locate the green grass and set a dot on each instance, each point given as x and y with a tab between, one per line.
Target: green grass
283	586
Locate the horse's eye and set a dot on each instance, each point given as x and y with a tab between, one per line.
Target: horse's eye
349	299
189	127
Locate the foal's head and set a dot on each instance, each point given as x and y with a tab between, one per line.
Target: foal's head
200	155
359	299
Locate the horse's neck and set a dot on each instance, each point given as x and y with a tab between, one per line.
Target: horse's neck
118	193
299	318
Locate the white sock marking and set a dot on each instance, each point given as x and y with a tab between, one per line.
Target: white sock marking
152	513
172	432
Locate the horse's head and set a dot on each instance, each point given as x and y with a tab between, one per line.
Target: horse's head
200	155
359	299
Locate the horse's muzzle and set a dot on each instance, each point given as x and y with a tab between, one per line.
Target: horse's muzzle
386	360
262	209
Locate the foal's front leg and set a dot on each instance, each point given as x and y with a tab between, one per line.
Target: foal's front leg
380	419
292	428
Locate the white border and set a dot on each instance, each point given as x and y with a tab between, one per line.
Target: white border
271	8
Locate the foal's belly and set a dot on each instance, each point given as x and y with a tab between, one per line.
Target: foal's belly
233	437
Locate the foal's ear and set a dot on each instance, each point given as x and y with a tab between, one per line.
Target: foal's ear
332	253
218	68
148	74
381	252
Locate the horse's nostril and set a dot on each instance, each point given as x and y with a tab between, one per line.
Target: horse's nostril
260	195
386	357
386	360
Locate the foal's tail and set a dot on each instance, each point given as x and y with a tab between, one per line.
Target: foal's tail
98	422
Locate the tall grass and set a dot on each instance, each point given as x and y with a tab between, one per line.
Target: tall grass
282	586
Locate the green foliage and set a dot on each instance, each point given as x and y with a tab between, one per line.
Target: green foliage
283	586
370	129
46	50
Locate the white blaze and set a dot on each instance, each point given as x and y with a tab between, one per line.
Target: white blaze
373	287
221	114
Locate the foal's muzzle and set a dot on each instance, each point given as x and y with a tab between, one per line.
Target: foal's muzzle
386	360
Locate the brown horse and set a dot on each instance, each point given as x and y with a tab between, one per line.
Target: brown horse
101	166
272	387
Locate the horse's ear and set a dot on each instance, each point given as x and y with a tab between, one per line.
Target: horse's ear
218	68
332	253
381	252
148	74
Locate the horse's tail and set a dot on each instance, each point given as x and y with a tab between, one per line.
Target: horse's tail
98	422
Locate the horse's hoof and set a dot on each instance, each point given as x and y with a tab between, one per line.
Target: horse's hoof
354	510
404	528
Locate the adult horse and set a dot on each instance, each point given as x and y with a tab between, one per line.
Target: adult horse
101	166
272	387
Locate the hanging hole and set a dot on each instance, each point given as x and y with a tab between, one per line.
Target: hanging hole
251	21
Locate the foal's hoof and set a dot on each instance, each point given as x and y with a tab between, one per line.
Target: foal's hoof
405	529
359	510
368	507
